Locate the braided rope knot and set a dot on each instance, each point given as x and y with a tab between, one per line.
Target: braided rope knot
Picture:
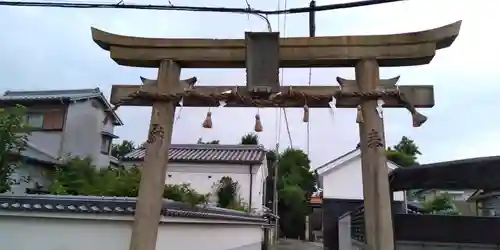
377	94
417	117
277	100
229	97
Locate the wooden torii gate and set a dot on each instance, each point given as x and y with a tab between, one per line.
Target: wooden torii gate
263	54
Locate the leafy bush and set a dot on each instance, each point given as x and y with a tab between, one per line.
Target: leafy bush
441	204
77	176
184	193
13	138
227	195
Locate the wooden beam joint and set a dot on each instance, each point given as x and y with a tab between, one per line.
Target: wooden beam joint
386	89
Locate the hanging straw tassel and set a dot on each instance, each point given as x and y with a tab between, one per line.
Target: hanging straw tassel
359	115
305	118
208	120
258	124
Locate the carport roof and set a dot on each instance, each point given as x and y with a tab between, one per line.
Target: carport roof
475	173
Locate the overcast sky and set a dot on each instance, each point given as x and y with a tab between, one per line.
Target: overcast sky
44	48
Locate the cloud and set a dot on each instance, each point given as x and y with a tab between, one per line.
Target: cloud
52	49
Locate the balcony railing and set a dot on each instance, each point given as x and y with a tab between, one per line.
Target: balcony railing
358	224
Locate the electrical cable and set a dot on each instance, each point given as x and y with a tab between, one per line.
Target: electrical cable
247	10
120	5
282	81
261	16
276	164
312	31
278	111
309	122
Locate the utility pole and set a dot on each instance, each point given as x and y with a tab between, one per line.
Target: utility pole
312	19
275	193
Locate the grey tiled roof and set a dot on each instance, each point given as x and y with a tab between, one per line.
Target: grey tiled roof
208	153
336	159
71	95
113	205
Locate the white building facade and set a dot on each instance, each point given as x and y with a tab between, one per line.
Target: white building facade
342	177
202	166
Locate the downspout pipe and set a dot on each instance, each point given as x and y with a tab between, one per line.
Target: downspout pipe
250	197
60	152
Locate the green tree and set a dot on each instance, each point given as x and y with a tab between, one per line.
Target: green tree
200	141
120	150
13	138
250	139
440	204
407	146
296	183
226	192
227	195
404	153
184	193
400	158
271	157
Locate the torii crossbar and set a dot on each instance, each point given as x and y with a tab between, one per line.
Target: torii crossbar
262	54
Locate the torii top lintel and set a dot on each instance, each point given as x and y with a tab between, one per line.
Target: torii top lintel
405	49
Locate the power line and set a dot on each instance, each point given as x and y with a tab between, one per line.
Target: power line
247	10
276	163
312	33
282	82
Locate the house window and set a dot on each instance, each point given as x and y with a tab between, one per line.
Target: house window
34	120
105	144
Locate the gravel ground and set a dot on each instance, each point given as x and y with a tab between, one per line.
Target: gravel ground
289	244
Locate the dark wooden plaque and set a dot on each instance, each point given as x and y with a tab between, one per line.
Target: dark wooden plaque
262	61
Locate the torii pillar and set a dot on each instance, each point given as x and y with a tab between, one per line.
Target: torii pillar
376	193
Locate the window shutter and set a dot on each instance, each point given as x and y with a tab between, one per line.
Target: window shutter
53	119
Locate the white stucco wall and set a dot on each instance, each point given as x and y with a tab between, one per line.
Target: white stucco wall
203	177
258	187
113	233
346	181
82	132
50	141
26	177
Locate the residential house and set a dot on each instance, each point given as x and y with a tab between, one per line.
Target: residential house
435	231
459	199
341	178
341	183
314	230
203	165
486	202
64	123
456	195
